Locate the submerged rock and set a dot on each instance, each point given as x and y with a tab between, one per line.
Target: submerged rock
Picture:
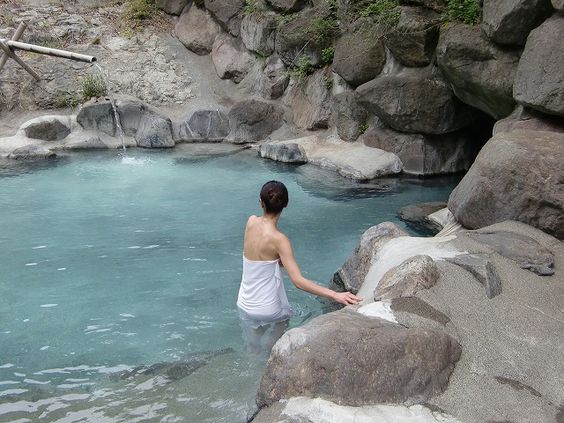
417	216
287	153
414	274
350	276
518	175
197	30
539	81
368	364
481	74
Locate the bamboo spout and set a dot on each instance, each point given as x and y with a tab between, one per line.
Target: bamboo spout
48	51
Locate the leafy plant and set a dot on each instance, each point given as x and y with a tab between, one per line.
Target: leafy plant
250	7
362	128
65	99
384	11
320	29
93	86
302	68
328	81
467	11
140	9
327	55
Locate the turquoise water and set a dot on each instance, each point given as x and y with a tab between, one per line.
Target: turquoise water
107	266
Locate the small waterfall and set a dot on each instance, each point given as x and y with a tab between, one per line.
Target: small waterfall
106	78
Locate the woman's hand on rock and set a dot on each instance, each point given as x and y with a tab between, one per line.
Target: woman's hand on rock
347	298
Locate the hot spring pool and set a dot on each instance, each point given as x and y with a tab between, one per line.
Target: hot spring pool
108	265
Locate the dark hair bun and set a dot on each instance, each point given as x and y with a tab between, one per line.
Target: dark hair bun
274	196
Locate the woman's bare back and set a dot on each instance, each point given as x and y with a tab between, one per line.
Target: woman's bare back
260	239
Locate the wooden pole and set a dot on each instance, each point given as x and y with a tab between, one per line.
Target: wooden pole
21	28
20	62
49	51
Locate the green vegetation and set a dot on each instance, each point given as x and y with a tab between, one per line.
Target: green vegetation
327	55
385	12
250	7
65	99
321	29
302	68
138	10
92	86
328	81
467	11
362	128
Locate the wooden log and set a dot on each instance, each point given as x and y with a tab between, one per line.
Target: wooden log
21	28
49	51
20	62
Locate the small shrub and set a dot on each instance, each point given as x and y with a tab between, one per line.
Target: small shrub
327	55
65	99
467	11
140	9
92	86
384	11
362	128
321	29
328	81
250	7
282	20
302	68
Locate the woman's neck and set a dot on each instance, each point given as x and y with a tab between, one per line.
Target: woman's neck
271	218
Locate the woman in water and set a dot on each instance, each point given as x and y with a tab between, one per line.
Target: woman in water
262	300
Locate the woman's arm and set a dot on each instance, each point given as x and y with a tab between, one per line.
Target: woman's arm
284	248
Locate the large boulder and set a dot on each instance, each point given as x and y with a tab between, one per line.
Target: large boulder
230	58
32	152
286	153
258	32
415	101
155	131
97	114
305	35
414	38
228	13
352	273
414	274
348	116
558	5
197	30
172	7
254	120
202	125
360	55
309	100
518	175
539	81
276	78
480	73
425	154
371	361
508	22
47	128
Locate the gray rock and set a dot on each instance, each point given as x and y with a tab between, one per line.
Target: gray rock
558	5
172	7
436	5
230	58
542	87
31	152
228	13
425	154
48	128
197	30
258	32
529	119
367	366
348	116
276	78
299	37
351	275
203	125
405	308
254	120
309	100
482	268
481	74
415	101
155	131
416	216
287	5
287	153
97	114
360	55
522	249
518	175
414	274
130	111
414	39
508	22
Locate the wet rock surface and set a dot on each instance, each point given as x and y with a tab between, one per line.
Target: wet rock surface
47	128
417	216
286	153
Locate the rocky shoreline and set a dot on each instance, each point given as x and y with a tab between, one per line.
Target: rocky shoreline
464	326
